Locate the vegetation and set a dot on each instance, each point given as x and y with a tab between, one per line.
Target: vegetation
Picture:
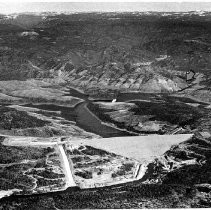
84	174
190	175
123	170
86	164
12	119
163	111
13	177
80	159
88	150
15	154
134	195
47	173
42	182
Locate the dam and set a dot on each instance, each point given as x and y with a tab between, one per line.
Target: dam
140	148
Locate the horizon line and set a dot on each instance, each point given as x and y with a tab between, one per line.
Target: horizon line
91	7
79	12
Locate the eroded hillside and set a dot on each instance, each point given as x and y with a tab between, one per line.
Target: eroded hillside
148	53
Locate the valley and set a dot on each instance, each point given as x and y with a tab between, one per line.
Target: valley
96	110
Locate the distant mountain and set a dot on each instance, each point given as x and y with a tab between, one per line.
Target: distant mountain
147	51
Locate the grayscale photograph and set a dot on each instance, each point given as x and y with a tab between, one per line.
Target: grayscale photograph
105	105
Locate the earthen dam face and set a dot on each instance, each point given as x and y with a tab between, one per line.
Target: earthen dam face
141	148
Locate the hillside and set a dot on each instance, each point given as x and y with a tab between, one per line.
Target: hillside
144	52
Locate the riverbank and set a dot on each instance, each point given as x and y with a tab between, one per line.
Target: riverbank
90	122
83	117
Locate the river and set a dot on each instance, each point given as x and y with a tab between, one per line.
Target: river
89	122
83	117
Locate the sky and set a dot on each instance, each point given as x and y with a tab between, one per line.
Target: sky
18	6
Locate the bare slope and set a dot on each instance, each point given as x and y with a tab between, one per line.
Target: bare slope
138	147
148	53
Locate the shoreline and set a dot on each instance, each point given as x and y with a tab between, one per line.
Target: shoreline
99	120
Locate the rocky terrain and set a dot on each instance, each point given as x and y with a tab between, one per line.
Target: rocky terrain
156	114
128	52
58	76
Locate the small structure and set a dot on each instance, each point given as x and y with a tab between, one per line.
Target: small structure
29	33
190	75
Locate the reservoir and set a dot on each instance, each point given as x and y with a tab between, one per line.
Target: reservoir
83	117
